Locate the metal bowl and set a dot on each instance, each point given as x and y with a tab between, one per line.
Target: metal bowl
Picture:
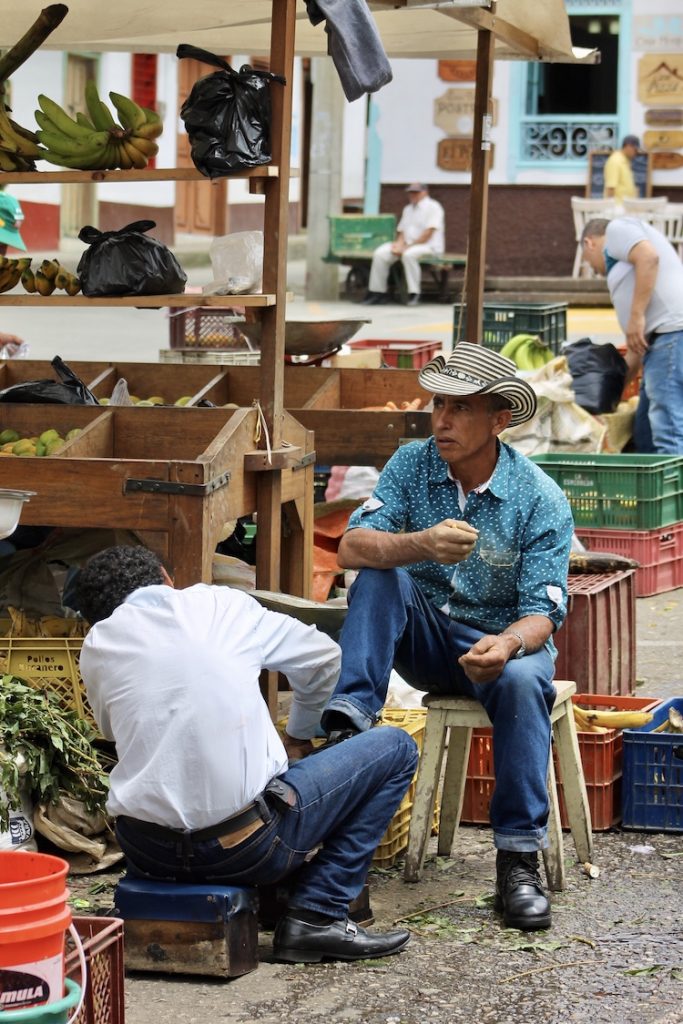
309	337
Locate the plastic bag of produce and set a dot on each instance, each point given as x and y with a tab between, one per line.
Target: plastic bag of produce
237	263
128	262
68	390
227	115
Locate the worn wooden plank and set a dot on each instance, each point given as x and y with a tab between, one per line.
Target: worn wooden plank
223	949
327	395
351	438
138	301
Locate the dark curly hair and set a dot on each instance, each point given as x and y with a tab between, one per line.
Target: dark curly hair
110	576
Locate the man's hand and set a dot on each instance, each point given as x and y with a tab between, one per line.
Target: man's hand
398	247
451	541
487	658
296	749
635	335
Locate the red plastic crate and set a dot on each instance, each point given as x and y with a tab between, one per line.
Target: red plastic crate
660	553
102	939
601	757
404	355
596	646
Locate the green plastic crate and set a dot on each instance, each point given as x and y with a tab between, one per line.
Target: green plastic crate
619	492
356	233
501	321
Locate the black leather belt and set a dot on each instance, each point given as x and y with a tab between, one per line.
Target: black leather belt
280	791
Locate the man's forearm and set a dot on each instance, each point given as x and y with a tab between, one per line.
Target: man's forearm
533	629
374	549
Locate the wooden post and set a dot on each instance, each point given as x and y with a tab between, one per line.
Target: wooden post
481	161
275	223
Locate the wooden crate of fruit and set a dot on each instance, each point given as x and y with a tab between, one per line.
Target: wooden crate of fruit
172	476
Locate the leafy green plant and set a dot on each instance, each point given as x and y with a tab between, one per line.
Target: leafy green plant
47	749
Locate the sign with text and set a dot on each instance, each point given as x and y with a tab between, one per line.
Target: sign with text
455	154
454	112
667	161
658	33
458	70
665	138
660	79
667	117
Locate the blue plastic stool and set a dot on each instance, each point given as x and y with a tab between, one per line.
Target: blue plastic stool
177	928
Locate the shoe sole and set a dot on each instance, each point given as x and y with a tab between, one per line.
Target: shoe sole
524	924
305	956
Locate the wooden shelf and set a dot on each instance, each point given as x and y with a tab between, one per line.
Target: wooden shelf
147	174
138	301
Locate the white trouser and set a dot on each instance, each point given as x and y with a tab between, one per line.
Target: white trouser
382	260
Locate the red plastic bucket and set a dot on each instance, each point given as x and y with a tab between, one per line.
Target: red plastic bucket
34	917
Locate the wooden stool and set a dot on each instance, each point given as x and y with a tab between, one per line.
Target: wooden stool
460	715
188	929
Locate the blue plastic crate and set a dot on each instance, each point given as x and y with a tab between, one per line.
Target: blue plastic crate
652	785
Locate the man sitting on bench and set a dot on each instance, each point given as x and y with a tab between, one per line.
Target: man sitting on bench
420	231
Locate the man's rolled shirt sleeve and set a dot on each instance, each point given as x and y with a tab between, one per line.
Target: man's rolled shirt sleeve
545	563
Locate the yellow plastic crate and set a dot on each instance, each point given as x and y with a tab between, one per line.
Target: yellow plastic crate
48	663
395	839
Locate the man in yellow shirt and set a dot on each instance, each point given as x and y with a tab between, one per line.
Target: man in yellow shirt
619	182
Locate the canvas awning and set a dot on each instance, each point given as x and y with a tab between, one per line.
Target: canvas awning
526	29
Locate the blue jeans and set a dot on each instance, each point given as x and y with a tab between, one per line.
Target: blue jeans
391	623
347	795
663	376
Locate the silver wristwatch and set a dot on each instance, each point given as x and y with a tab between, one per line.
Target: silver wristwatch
522	646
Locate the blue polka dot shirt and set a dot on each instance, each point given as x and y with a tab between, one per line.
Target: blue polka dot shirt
520	563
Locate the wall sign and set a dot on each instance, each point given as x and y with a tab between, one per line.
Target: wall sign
658	33
457	70
456	154
660	79
454	112
666	161
672	116
665	138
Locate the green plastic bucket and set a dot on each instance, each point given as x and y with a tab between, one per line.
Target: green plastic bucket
51	1013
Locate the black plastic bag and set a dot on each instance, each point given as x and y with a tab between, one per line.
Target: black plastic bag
68	390
128	262
227	115
598	375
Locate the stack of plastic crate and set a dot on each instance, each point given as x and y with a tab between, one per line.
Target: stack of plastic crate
503	320
630	505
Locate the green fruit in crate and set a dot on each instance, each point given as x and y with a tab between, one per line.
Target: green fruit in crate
48	435
156	400
41	448
183	400
8	435
103	401
24	447
54	446
74	432
144	401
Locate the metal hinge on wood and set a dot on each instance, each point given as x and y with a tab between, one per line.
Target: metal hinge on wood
152	486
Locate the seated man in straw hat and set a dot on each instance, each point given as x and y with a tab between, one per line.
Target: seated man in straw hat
463	552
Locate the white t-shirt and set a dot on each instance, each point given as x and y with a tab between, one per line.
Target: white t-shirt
664	312
418	217
173	677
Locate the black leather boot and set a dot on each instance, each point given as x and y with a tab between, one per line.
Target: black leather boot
520	896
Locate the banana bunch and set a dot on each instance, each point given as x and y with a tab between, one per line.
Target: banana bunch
18	146
527	351
603	721
96	141
11	271
50	276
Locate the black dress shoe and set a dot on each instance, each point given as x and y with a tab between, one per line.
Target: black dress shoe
374	299
298	942
520	896
413	299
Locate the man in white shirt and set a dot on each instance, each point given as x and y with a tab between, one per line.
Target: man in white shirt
420	231
645	280
202	789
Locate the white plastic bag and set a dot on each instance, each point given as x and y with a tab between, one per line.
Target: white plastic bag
237	262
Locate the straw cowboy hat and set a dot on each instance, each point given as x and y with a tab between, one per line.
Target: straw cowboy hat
475	370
